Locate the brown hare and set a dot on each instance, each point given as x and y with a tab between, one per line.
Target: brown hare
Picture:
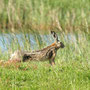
47	53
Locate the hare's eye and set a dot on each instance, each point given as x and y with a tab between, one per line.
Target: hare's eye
58	42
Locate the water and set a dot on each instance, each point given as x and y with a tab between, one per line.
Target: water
7	39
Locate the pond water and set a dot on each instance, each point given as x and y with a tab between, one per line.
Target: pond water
8	39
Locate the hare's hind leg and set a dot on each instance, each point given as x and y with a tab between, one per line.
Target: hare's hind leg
52	55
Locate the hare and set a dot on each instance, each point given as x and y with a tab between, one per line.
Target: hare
48	53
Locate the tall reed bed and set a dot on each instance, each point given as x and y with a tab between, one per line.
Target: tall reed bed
45	14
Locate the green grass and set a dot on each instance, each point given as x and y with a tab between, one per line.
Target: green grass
65	75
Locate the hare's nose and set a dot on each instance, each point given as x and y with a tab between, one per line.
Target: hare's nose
62	45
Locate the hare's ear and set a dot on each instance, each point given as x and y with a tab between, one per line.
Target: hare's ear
55	35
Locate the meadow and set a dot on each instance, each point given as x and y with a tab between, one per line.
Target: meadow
70	19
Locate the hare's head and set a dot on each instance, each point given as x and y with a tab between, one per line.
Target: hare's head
58	43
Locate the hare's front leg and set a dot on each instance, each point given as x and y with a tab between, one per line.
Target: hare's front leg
52	57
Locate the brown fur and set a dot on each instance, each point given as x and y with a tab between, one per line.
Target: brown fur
48	53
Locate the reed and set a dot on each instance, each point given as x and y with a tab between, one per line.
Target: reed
44	15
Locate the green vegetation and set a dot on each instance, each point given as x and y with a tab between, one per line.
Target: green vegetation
35	76
45	15
72	69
